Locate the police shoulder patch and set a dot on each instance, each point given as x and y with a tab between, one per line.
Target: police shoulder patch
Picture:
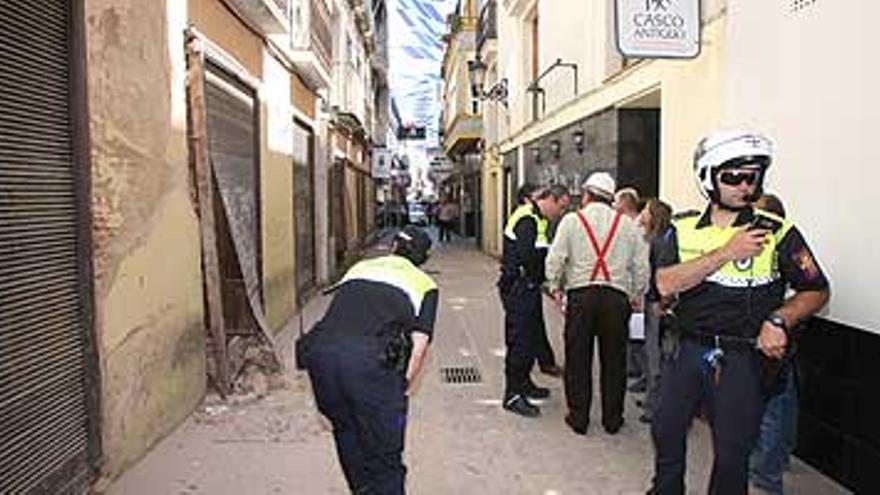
805	262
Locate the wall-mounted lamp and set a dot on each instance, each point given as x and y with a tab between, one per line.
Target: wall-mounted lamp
536	154
555	149
578	137
477	71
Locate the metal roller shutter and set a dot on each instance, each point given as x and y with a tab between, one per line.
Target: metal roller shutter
233	144
44	430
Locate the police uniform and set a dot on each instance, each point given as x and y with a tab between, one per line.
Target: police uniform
355	385
522	272
717	366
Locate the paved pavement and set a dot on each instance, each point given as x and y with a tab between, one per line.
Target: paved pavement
459	439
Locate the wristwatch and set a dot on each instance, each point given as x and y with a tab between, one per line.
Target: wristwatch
777	320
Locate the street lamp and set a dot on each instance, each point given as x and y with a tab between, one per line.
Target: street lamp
536	154
555	148
578	137
477	72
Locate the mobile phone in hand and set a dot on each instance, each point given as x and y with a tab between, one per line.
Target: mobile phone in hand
764	223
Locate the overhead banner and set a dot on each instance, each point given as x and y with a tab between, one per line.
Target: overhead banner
658	28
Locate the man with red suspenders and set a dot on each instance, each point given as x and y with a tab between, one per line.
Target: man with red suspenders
600	256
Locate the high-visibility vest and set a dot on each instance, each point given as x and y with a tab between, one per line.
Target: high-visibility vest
528	210
759	270
396	271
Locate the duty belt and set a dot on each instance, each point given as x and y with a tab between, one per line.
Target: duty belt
726	342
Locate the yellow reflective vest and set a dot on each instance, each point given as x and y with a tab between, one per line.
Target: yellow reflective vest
694	241
528	210
396	271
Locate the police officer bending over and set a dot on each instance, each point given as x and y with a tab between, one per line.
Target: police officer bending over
363	354
729	268
522	273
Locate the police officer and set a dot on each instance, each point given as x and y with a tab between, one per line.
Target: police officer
365	351
544	355
729	267
522	272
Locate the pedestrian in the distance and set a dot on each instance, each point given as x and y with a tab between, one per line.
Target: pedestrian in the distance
446	216
364	354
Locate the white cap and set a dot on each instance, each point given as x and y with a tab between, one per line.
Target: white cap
600	184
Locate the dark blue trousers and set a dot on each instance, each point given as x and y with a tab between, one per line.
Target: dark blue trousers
367	406
734	407
523	320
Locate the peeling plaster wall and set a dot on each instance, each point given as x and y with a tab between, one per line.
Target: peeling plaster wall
148	295
276	172
279	92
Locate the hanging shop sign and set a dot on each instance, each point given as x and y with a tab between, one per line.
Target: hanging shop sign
381	163
658	28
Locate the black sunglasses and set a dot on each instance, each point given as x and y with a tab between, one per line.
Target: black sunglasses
732	178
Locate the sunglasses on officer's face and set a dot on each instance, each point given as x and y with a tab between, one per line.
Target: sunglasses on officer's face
736	177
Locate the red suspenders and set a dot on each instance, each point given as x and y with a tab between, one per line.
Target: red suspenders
601	266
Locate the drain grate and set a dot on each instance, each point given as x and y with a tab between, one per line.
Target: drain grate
460	374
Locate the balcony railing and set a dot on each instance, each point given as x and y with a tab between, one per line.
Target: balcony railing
487	28
271	16
349	96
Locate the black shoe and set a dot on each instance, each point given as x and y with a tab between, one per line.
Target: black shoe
518	404
553	370
533	391
612	429
575	427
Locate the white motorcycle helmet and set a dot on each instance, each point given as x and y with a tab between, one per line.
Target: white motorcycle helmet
730	149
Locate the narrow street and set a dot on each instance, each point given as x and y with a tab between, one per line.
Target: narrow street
459	440
179	180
